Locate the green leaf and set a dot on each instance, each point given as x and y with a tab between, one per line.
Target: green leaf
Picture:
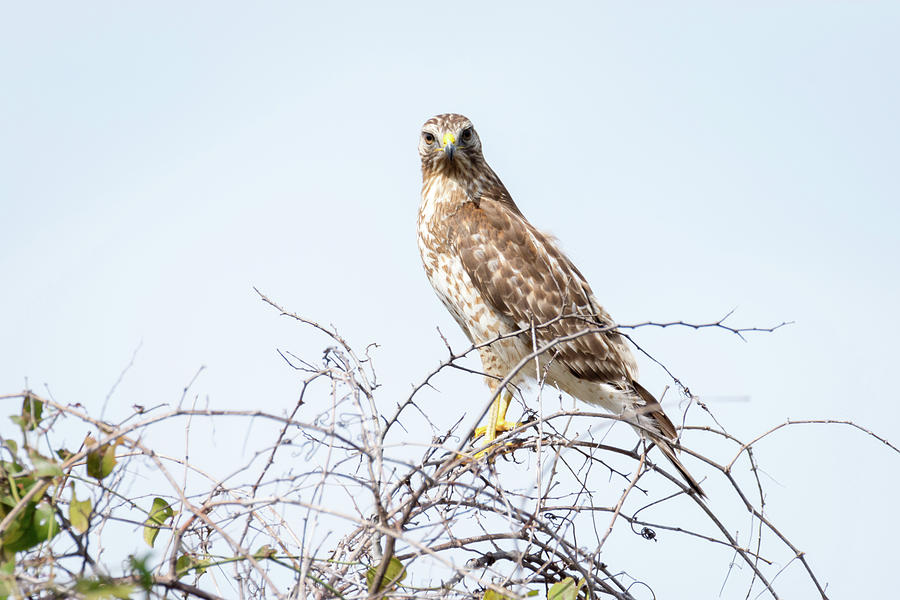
109	459
79	513
12	484
101	460
183	565
12	445
394	574
564	590
492	595
95	463
32	409
7	581
44	467
159	513
45	524
98	589
187	562
19	535
34	525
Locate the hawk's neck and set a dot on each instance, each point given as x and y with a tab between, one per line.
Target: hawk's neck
441	195
443	192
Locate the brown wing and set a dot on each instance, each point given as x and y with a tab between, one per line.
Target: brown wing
525	277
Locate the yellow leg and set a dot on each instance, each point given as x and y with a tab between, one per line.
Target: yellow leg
496	423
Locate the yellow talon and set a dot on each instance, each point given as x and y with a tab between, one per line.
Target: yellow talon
496	424
481	453
502	427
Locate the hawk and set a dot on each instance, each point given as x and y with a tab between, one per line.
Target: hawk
510	287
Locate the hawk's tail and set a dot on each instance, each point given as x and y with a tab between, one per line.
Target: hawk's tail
669	451
653	412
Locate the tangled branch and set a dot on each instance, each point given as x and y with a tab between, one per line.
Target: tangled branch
350	496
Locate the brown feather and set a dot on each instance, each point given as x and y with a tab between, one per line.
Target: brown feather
522	274
667	428
654	410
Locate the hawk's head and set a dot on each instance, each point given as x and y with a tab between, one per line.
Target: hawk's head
449	142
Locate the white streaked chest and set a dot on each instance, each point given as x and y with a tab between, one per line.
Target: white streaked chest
444	269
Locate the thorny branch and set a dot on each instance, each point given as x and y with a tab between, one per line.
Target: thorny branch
345	495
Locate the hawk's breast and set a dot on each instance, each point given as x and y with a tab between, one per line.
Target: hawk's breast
444	267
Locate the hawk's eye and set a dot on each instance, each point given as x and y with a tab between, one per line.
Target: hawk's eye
428	137
466	135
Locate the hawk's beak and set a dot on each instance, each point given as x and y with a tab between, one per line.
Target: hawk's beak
449	146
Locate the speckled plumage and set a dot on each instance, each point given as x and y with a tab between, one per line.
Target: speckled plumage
497	274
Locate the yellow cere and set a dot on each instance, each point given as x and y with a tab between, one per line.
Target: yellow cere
449	138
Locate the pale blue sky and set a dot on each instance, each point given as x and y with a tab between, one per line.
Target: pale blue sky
157	161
